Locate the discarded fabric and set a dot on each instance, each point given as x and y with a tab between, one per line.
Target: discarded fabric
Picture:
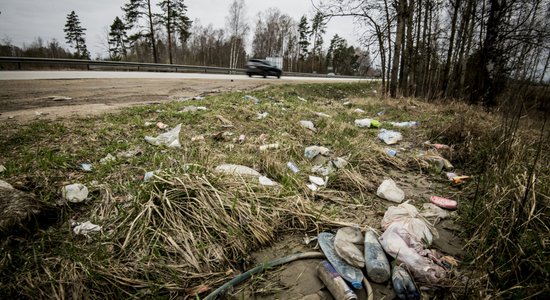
169	138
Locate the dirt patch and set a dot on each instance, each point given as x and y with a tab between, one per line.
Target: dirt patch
25	100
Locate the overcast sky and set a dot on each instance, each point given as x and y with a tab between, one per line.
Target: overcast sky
22	21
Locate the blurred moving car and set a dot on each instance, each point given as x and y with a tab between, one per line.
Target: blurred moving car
262	67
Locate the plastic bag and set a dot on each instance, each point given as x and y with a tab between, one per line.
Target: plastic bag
389	191
411	221
308	125
86	228
312	151
170	138
344	244
75	193
390	137
237	170
367	123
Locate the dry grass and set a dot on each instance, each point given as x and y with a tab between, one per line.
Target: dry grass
189	229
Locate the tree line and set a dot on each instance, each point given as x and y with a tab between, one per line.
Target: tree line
161	32
469	49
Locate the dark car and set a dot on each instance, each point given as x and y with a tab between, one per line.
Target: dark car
262	67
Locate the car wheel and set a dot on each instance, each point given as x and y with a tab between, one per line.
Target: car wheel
278	76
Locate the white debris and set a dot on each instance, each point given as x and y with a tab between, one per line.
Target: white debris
261	116
169	138
2	168
161	125
148	176
107	159
147	124
86	167
193	108
308	125
389	191
269	146
266	181
86	228
237	170
340	162
317	180
405	124
5	185
59	98
312	187
359	111
302	99
323	170
430	210
312	151
248	97
323	115
75	193
390	137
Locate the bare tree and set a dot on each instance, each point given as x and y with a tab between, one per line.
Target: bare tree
238	29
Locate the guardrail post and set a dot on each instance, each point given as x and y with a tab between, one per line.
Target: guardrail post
88	67
138	68
19	65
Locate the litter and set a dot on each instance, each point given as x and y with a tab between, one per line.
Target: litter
292	167
317	180
436	146
339	162
198	98
347	103
237	170
193	108
323	115
403	284
405	124
225	122
336	285
344	244
261	116
59	98
308	125
312	151
169	138
2	168
129	153
161	125
390	137
376	261
75	193
269	146
39	113
430	210
389	191
86	167
405	236
359	111
107	159
86	228
367	123
302	99
380	113
5	185
456	179
147	124
391	152
444	202
312	187
197	138
242	138
351	274
266	181
323	170
248	97
438	162
148	176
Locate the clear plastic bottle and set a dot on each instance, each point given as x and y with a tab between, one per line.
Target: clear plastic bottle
351	274
334	282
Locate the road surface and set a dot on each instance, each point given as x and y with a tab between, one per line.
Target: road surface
28	95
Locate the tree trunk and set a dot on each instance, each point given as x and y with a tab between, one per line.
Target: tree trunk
389	44
445	77
152	31
397	50
169	31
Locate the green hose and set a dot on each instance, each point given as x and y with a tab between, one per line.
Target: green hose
280	261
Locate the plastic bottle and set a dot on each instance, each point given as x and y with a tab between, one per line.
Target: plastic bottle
292	167
351	274
403	285
378	266
334	282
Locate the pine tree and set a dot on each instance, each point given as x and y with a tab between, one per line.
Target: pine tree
303	31
318	28
118	39
175	20
135	10
74	34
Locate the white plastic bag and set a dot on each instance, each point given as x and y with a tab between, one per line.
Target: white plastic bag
344	244
75	193
170	138
411	220
390	137
308	125
363	123
86	228
312	151
389	191
237	170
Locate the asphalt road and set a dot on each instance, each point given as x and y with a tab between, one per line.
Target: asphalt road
33	75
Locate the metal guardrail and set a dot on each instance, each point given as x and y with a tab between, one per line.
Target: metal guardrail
97	64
